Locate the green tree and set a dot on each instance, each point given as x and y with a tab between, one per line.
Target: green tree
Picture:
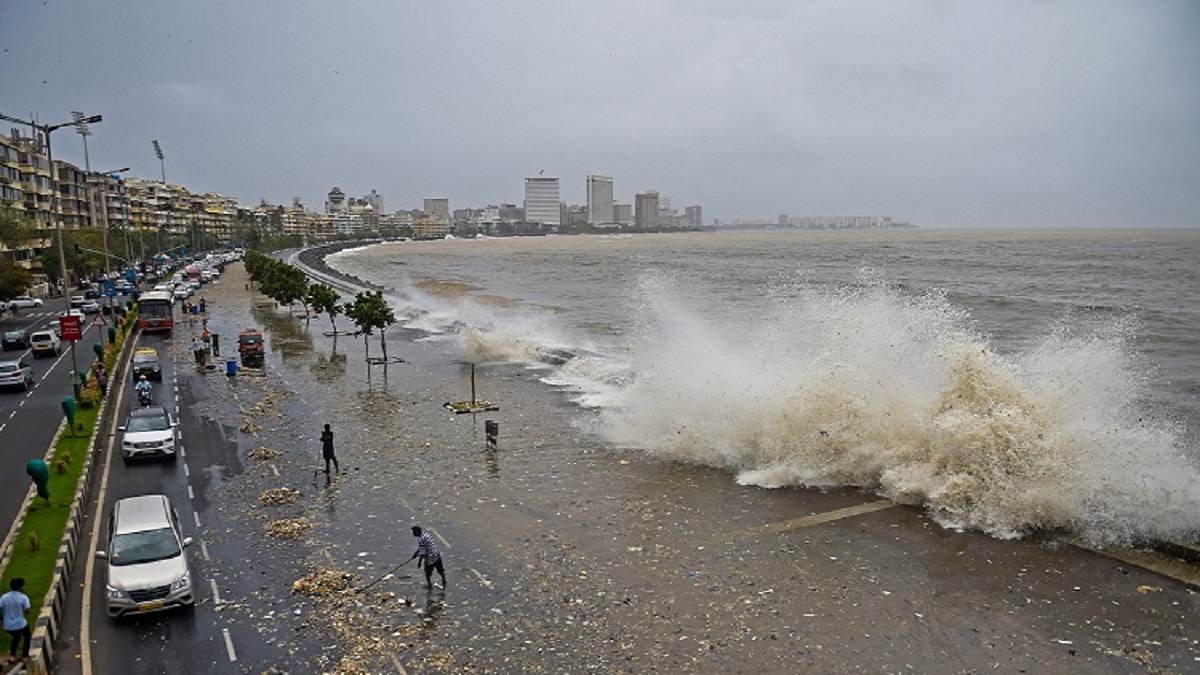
15	231
370	311
14	279
323	298
285	284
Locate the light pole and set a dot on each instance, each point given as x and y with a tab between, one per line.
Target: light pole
46	129
163	168
104	211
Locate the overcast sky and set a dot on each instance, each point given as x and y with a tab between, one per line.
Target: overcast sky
943	113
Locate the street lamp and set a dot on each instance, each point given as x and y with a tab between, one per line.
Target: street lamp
46	129
163	168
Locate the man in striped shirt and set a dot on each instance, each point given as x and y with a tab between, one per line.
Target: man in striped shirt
431	558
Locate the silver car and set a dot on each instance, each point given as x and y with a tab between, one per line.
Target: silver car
147	567
16	374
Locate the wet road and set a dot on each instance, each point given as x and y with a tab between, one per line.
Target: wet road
567	556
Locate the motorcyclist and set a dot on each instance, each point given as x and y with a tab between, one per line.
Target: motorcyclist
143	388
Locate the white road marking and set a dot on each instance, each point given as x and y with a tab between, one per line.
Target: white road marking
204	550
216	593
191	495
482	579
187	473
229	645
275	469
196	519
441	538
396	662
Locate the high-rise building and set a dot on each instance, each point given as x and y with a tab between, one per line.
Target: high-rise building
437	209
693	216
335	201
599	200
542	201
645	209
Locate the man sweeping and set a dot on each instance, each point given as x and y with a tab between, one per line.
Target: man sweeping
429	556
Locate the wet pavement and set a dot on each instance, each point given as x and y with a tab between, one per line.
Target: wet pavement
565	556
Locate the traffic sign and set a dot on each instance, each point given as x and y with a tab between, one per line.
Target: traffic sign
110	289
99	320
68	327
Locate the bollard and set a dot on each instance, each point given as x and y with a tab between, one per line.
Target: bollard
68	408
112	334
40	474
98	347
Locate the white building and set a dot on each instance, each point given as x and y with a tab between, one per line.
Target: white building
600	200
542	201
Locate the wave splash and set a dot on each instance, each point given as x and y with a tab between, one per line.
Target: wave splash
866	386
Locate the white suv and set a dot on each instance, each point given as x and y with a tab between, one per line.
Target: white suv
45	343
147	567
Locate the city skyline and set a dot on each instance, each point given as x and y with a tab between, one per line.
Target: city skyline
1063	113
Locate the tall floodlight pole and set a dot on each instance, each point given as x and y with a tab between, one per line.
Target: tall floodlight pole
81	127
46	129
163	168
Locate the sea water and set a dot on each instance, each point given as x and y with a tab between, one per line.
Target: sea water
1006	381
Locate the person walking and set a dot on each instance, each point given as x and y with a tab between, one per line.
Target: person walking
198	350
15	607
102	378
327	451
430	556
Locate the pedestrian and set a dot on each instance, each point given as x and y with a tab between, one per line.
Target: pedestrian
203	305
429	555
198	350
15	606
327	450
102	377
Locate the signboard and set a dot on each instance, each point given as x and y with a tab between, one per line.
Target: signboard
99	321
68	328
131	275
110	289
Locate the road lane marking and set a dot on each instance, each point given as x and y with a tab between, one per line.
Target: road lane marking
440	538
191	495
396	662
187	473
820	518
216	593
229	645
482	579
196	518
204	550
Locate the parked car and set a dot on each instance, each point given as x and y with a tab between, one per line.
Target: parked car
16	374
17	338
149	432
147	565
146	362
45	343
24	302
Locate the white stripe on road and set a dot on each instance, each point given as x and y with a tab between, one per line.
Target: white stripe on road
216	593
196	517
191	495
204	550
229	645
441	538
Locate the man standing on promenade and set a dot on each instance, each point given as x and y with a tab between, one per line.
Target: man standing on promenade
327	450
430	556
15	605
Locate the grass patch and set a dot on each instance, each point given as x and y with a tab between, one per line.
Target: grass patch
46	523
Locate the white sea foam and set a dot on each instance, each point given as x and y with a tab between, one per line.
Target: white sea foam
869	387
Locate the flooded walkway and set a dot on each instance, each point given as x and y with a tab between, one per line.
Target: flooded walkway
564	555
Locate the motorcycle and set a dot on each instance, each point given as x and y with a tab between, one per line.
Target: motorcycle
145	397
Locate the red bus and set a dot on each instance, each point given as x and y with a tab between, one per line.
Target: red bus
156	311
